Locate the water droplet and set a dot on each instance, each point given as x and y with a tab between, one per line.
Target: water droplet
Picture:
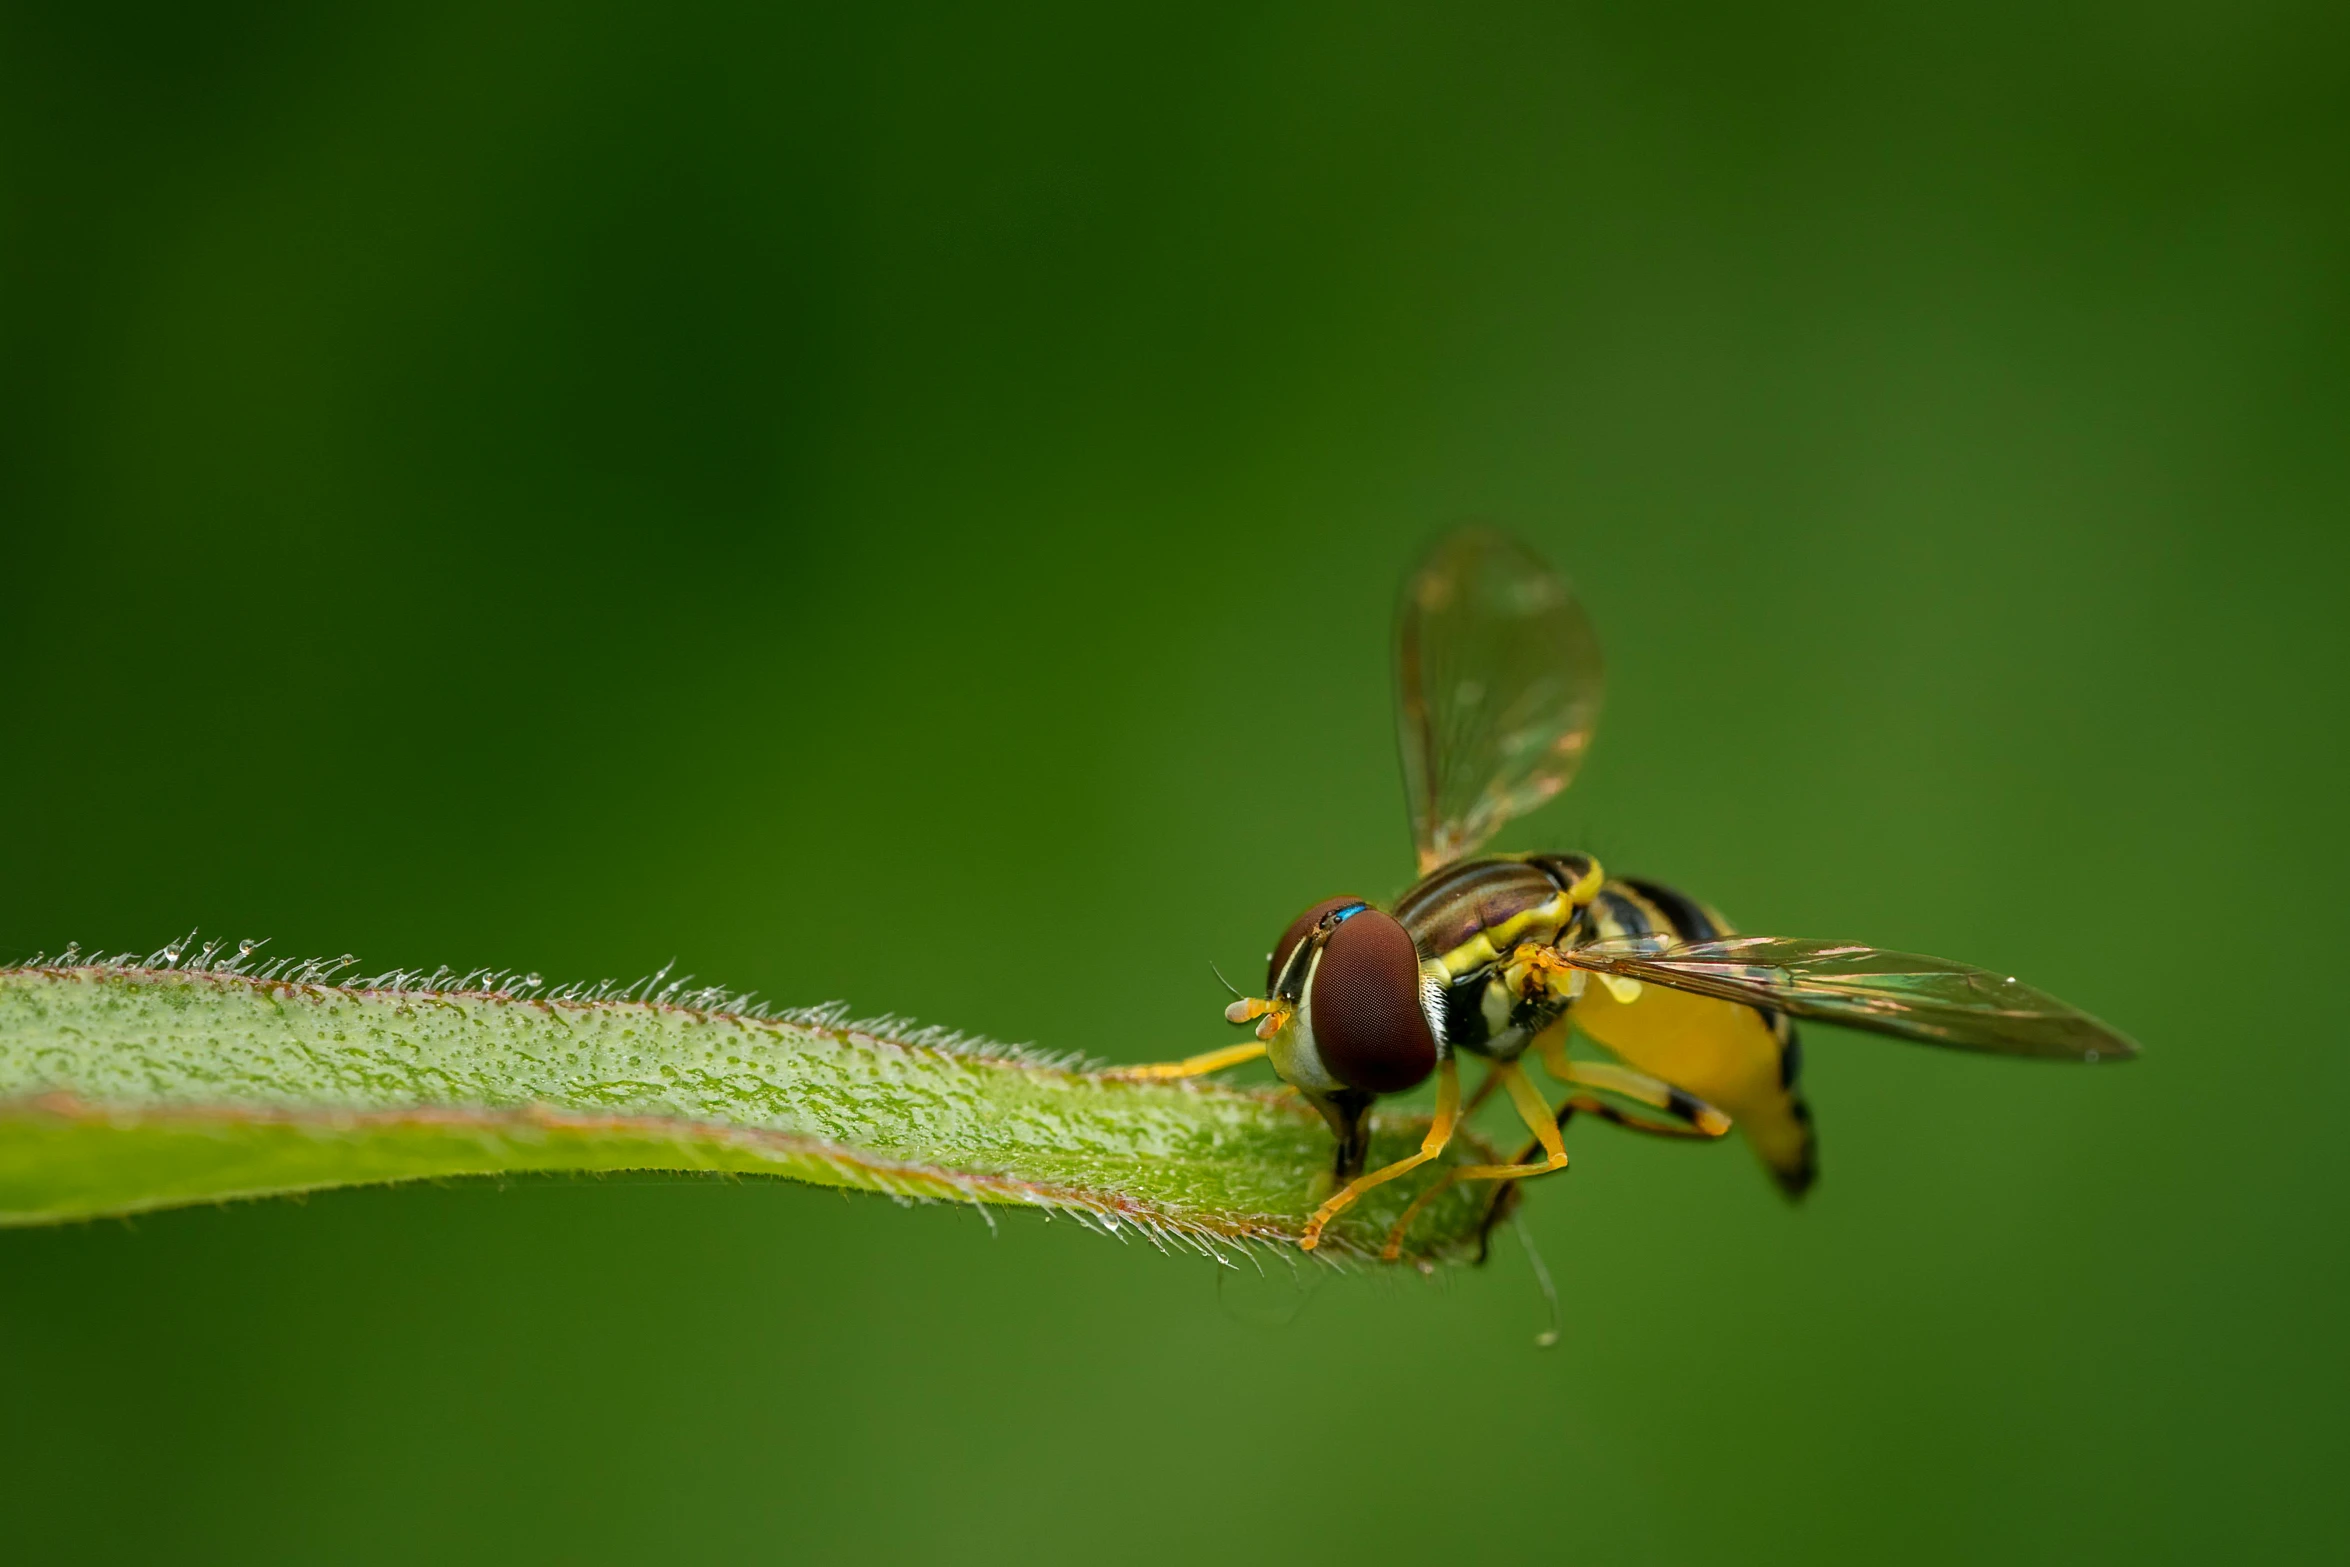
534	979
2089	1055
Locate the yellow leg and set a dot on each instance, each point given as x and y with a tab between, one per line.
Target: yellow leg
1534	1110
1478	1095
1584	1104
1448	1114
1192	1066
1638	1087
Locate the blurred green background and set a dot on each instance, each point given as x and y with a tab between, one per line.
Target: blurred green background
571	486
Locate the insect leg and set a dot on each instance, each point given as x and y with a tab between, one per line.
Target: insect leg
1448	1114
1191	1066
1535	1111
1623	1118
1482	1092
1437	1188
1638	1087
1499	1208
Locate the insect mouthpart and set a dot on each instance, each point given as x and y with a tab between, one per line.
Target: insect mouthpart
1274	1014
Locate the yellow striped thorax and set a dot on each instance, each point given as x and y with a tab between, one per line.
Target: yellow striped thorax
1468	916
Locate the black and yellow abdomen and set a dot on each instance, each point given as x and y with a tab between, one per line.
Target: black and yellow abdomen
1742	1059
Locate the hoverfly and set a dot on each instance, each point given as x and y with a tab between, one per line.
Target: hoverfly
1498	690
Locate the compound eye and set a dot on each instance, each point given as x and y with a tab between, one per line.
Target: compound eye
1299	929
1367	1021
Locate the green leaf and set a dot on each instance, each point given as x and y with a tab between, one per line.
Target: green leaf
131	1085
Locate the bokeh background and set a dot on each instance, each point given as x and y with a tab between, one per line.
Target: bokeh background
904	504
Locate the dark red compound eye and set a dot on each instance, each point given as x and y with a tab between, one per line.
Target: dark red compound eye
1367	1021
1299	929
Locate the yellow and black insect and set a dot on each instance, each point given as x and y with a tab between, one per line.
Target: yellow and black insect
1499	682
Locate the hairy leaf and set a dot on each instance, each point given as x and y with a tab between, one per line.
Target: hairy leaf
128	1085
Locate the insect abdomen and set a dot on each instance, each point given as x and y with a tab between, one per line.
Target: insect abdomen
1743	1059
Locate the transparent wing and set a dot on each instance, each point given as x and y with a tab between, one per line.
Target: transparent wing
1498	685
1931	1000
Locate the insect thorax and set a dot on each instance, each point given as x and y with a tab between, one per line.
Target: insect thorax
1467	917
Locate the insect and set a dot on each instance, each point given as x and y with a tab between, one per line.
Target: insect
1498	689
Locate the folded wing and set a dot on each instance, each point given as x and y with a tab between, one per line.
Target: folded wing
1930	1000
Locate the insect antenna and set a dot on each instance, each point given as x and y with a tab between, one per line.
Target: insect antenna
1221	980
